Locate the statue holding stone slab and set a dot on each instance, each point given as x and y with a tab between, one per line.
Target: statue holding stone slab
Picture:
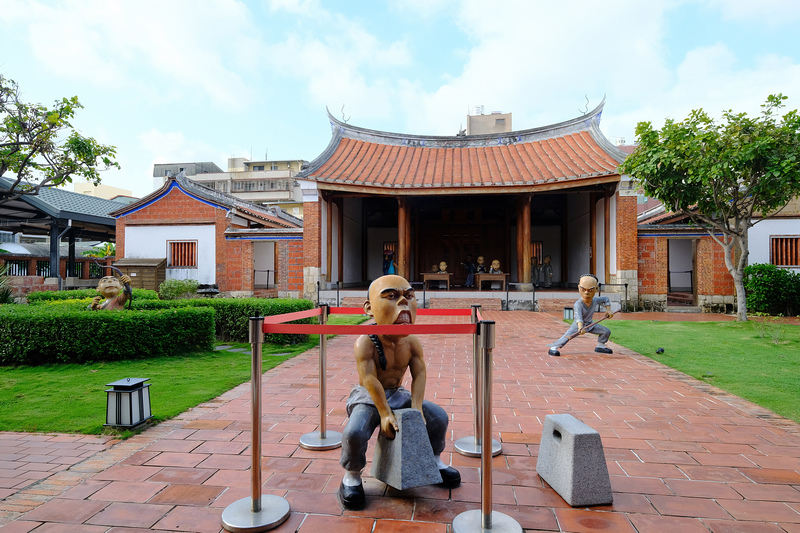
382	361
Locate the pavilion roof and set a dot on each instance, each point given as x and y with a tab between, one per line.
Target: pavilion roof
568	154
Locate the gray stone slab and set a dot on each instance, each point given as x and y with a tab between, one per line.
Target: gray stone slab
223	347
572	462
407	460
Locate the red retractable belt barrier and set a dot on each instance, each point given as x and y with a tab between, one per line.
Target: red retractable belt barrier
277	323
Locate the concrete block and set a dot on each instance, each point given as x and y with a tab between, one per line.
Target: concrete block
407	460
571	460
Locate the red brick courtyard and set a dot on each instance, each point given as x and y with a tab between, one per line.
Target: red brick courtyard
682	456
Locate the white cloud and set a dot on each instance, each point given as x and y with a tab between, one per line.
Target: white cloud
770	12
199	47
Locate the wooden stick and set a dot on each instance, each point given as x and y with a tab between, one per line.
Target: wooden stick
590	325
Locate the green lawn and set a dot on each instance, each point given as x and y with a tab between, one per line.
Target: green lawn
71	398
730	355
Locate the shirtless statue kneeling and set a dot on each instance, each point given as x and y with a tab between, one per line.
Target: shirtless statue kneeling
382	361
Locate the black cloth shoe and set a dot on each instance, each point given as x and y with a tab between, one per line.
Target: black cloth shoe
554	352
352	498
450	477
603	349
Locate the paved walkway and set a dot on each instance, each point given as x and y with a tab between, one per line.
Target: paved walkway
682	456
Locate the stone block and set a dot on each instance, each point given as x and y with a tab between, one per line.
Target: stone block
572	462
407	460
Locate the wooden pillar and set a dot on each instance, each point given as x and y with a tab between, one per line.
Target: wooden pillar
607	236
403	237
524	240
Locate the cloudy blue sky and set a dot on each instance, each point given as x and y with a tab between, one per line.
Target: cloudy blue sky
204	80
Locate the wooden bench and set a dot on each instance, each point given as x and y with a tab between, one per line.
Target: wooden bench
483	276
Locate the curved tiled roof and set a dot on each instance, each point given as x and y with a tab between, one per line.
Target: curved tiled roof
272	215
568	154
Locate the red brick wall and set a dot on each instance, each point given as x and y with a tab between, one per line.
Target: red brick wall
294	264
174	208
653	265
713	277
627	258
312	213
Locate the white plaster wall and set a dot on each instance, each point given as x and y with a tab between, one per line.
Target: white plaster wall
151	242
352	239
681	255
759	236
578	236
600	230
264	259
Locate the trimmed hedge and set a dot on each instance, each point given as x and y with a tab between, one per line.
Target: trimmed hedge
232	315
46	296
34	335
771	290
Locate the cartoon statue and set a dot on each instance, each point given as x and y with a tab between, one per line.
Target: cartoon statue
434	269
584	312
389	264
382	361
547	270
535	269
470	266
481	266
442	268
116	291
495	269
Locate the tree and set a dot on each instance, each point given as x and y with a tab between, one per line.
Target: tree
723	176
40	147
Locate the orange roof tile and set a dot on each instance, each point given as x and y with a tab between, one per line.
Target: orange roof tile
568	154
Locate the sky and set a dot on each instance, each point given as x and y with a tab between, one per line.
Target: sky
177	81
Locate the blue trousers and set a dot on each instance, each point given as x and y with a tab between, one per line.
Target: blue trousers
364	419
603	332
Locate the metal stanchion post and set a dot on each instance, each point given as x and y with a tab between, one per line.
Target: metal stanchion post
471	446
322	439
258	512
485	519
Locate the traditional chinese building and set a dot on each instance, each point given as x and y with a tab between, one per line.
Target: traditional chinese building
549	191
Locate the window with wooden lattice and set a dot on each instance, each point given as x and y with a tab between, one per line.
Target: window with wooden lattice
182	254
784	250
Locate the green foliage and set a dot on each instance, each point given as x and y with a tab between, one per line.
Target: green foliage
232	314
43	334
106	249
722	174
771	290
5	290
48	296
174	289
40	146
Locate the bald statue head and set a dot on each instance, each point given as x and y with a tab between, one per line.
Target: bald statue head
109	286
391	301
587	287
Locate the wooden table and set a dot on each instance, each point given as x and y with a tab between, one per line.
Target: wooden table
480	278
435	276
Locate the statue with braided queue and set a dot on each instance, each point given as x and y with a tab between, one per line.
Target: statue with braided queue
382	361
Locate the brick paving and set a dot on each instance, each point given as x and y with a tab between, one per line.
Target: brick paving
681	455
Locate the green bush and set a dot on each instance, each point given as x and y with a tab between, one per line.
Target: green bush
232	315
45	296
174	289
771	290
34	335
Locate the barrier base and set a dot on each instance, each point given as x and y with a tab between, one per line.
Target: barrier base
313	440
239	517
467	446
472	521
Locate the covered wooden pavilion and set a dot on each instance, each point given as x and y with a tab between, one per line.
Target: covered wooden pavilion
552	190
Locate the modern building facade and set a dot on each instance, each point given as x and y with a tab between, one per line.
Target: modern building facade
266	183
